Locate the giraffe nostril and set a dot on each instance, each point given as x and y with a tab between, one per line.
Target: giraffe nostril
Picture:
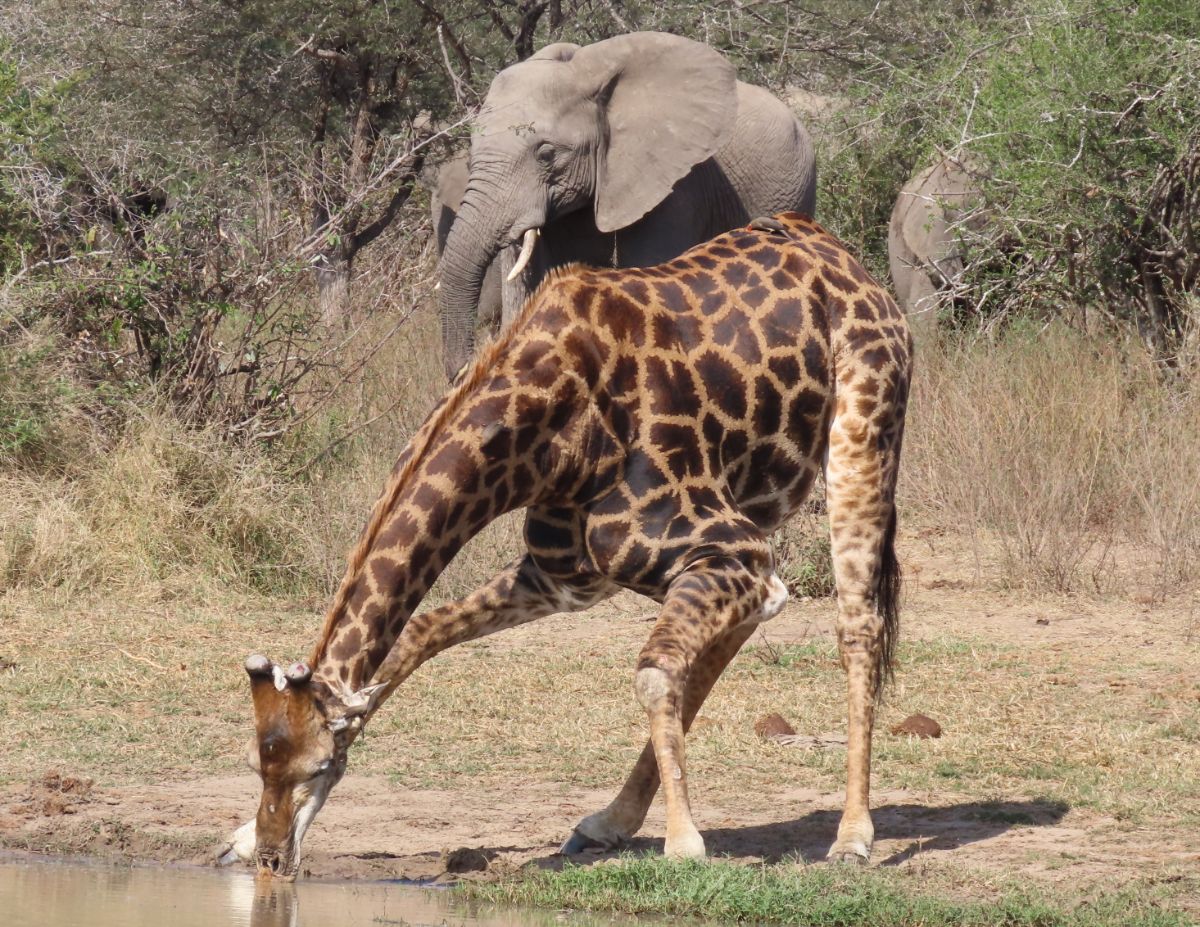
270	861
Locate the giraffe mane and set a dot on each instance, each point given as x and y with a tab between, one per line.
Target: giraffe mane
386	503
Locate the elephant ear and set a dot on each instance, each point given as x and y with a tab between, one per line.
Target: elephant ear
670	103
559	51
452	180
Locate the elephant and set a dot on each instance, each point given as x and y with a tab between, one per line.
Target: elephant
623	153
925	253
445	197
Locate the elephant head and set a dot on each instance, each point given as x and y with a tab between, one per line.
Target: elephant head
925	247
609	128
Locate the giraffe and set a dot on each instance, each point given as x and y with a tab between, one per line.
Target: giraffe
657	424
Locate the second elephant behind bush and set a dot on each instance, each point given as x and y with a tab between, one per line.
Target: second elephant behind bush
925	248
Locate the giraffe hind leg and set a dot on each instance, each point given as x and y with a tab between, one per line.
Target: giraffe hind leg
708	612
860	490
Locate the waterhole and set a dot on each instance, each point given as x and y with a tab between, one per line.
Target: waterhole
54	894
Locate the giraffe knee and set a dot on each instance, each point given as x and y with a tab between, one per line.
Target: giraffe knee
776	598
653	685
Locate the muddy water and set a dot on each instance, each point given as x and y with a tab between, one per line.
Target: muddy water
52	894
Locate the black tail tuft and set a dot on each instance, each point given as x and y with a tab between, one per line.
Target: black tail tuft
888	603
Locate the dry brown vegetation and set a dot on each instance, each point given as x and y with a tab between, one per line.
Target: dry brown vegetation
1057	449
1061	449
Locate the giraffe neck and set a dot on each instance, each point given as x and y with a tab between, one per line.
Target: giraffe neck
424	526
481	454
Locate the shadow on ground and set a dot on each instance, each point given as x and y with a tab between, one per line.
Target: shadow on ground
925	827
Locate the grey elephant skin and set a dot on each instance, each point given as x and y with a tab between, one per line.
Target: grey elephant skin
925	249
445	198
624	153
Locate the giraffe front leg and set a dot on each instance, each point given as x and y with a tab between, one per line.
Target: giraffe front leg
612	826
659	685
520	593
711	598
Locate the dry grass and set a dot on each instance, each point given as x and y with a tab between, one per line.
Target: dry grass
165	510
1057	447
1050	446
161	511
144	693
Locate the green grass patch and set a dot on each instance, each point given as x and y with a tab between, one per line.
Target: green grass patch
816	896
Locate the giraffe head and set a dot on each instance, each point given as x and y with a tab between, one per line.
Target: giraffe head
302	733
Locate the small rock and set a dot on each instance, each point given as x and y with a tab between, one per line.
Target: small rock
1042	621
773	725
918	726
466	859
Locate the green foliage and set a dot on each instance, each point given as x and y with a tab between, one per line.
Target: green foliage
819	896
1076	109
30	395
29	124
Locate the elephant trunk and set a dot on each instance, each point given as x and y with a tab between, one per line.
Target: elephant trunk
473	243
501	212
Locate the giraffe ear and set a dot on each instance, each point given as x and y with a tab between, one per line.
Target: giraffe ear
357	706
365	699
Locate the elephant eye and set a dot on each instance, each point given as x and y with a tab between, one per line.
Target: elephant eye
545	153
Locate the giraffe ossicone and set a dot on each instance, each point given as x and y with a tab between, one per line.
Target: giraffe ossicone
657	424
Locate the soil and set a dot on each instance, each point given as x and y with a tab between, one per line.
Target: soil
373	828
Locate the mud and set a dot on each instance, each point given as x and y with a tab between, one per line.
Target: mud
372	829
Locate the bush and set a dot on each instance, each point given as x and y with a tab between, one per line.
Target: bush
1084	115
1056	447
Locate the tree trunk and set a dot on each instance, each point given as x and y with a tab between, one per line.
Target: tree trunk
333	288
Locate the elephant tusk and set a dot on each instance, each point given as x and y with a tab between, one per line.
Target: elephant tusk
526	253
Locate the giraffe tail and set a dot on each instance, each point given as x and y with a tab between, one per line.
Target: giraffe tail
887	598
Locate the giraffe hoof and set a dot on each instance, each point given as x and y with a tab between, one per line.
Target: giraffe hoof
579	842
686	845
847	856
